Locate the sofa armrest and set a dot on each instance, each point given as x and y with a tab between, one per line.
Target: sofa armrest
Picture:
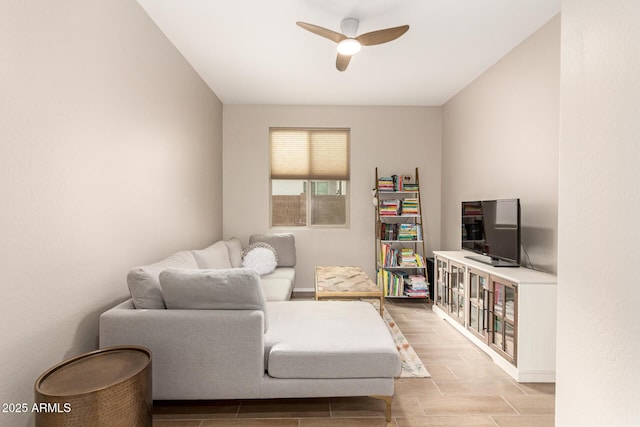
197	354
283	243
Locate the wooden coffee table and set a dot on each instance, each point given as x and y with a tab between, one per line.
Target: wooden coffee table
345	282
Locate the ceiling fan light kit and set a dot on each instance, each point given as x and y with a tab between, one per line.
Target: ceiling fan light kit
348	43
349	47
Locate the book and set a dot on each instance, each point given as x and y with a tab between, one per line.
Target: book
416	294
388	256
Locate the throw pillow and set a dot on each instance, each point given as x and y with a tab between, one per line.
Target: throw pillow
260	257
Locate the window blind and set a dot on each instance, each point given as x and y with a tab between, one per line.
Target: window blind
309	153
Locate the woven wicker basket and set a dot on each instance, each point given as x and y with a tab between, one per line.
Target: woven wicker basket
107	387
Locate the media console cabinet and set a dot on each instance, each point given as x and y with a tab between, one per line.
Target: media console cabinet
509	313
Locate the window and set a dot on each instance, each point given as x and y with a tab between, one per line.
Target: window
309	177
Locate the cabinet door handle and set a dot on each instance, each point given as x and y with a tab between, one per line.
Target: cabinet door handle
447	288
489	312
485	310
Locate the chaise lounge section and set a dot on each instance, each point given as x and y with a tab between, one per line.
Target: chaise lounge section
220	338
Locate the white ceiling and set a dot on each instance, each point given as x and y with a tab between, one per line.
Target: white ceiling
252	51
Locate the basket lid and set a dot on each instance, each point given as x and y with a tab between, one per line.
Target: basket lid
93	371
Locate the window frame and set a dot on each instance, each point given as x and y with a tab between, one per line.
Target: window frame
308	183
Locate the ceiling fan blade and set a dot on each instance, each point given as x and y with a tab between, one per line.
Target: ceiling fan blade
342	61
382	36
323	32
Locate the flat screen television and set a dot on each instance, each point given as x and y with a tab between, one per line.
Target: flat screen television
491	228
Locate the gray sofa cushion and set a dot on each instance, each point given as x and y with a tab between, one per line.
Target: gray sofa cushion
288	273
283	243
230	289
214	256
328	339
143	281
276	289
279	284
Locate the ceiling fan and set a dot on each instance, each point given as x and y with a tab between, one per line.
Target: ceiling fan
348	43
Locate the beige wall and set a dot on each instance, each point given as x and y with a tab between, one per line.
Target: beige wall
500	140
396	139
598	381
110	156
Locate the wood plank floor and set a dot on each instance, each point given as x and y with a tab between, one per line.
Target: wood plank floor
466	389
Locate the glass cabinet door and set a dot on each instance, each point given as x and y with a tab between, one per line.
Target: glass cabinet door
477	304
504	317
442	282
509	320
456	308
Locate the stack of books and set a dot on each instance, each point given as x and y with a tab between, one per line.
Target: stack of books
409	232
396	183
405	232
389	207
403	183
416	286
410	206
408	258
386	184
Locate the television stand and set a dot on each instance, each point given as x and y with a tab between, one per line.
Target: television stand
494	262
509	313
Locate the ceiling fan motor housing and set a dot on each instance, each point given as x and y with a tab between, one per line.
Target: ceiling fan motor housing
349	27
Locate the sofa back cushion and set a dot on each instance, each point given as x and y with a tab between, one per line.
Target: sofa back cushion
215	256
144	284
230	289
234	246
283	243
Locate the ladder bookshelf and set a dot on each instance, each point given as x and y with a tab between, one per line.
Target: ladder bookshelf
401	267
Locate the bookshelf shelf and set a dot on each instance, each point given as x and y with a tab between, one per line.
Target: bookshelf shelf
400	246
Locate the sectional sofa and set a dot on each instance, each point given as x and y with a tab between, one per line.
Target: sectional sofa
230	333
